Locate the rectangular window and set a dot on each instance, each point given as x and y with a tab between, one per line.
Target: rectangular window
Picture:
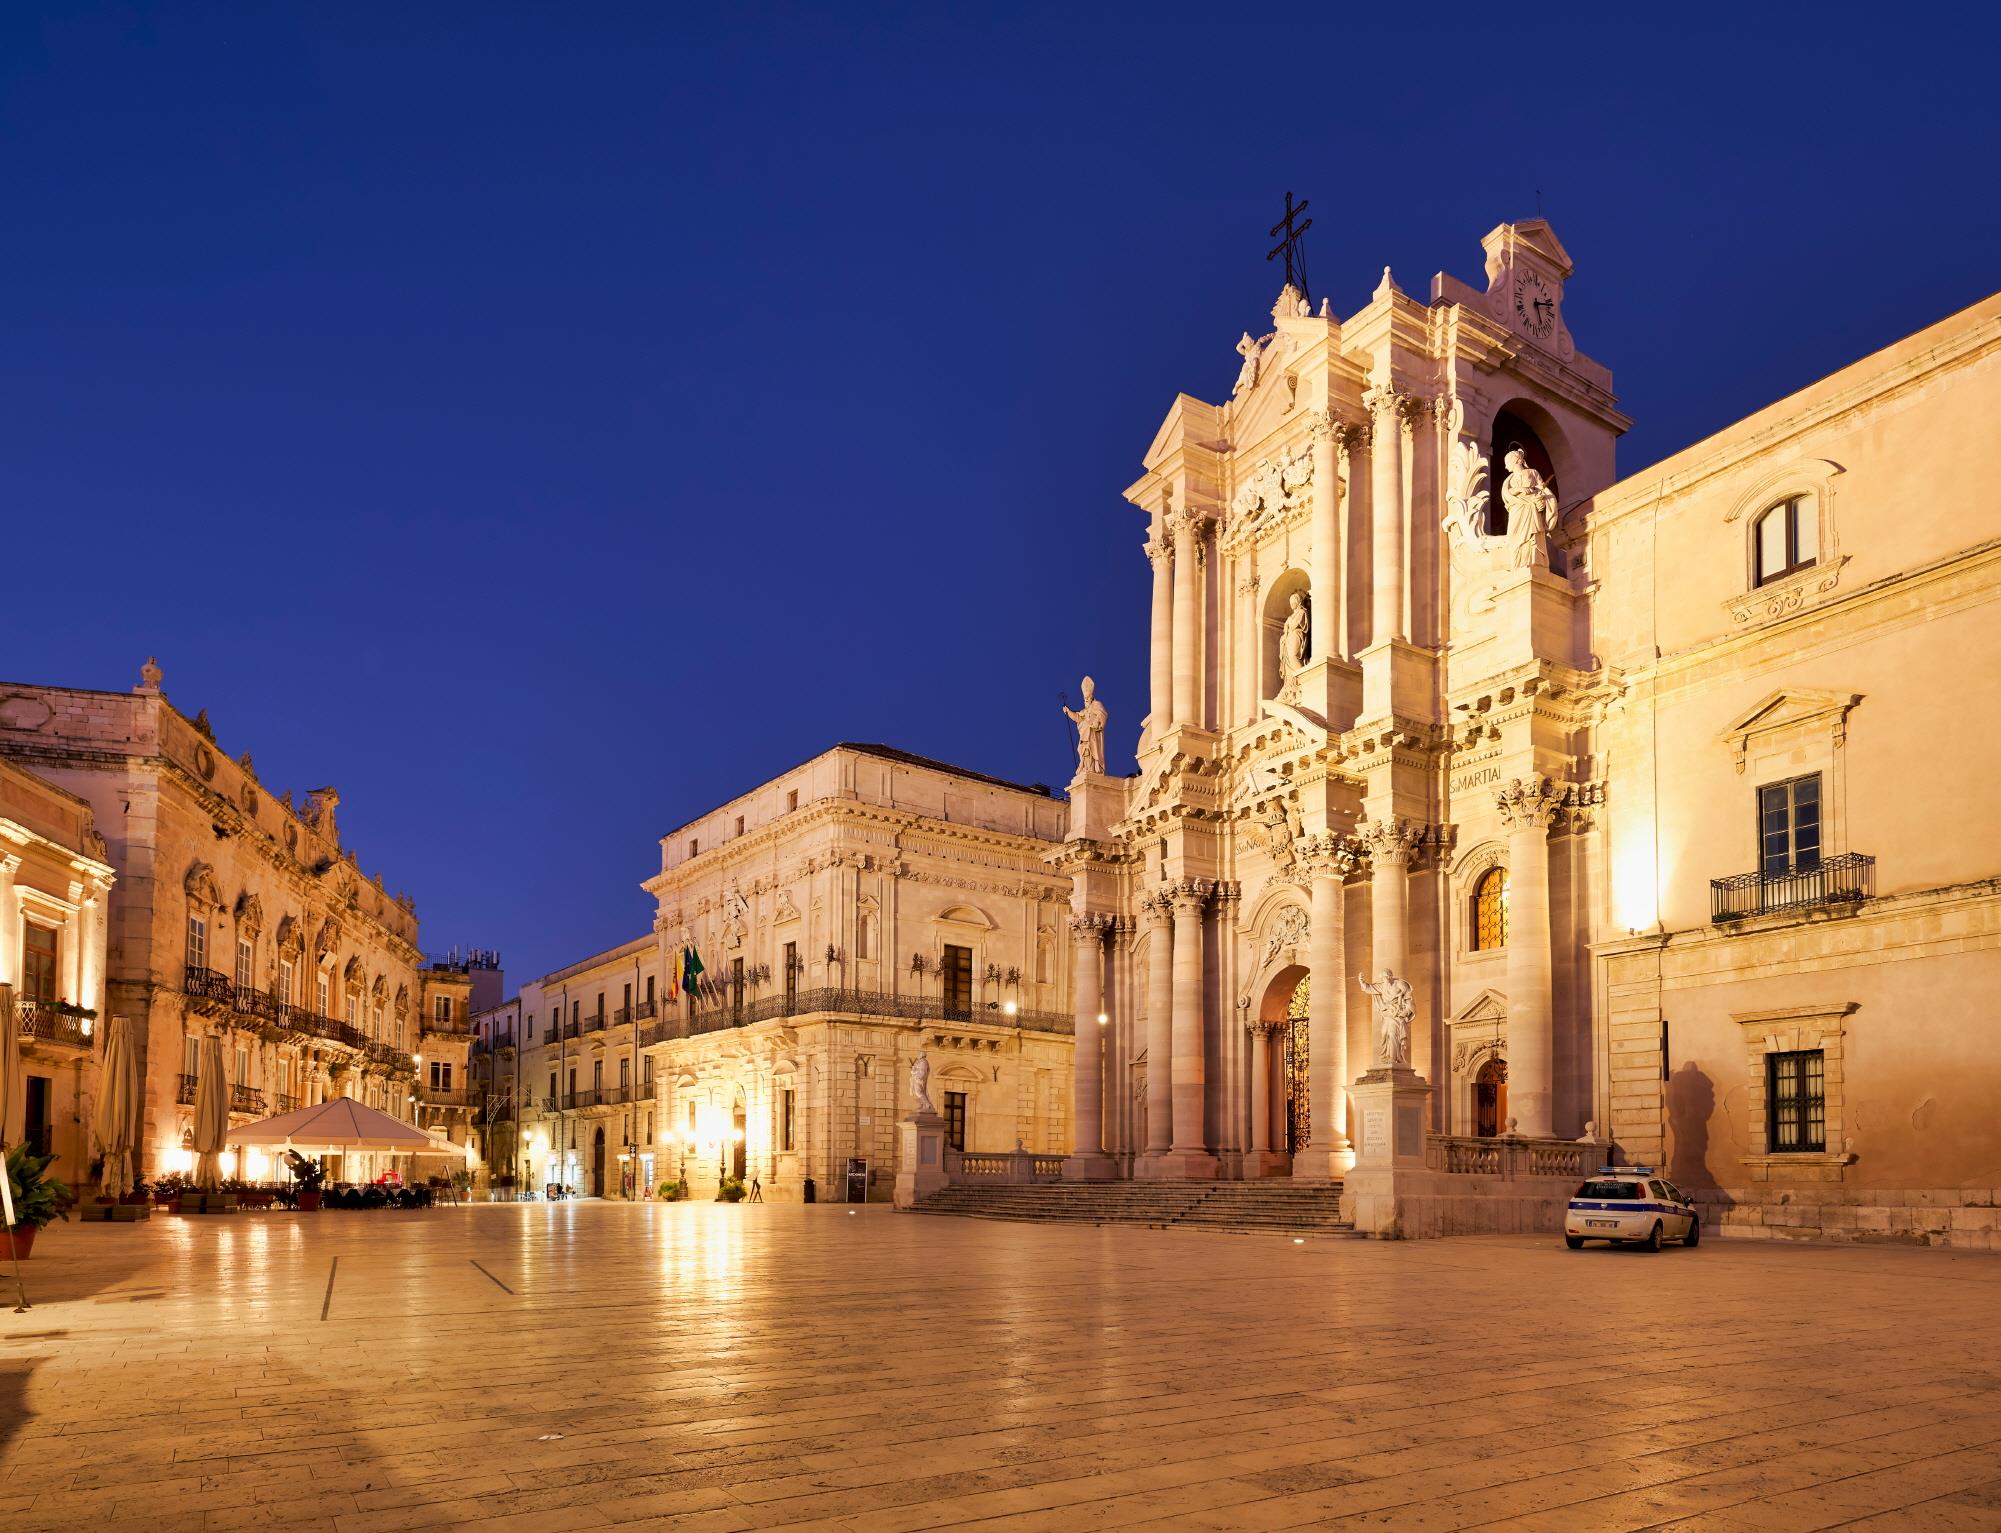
321	1005
791	976
552	1086
787	1107
597	1075
600	1006
792	799
441	1007
246	965
624	1074
1789	826
354	1008
955	1119
628	999
197	943
573	1081
694	846
649	990
1796	1101
243	1067
958	970
285	981
646	1071
38	963
739	825
736	983
441	1075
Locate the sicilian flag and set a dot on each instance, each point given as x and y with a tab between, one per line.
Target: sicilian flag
674	977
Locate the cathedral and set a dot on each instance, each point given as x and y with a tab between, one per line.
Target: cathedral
1560	815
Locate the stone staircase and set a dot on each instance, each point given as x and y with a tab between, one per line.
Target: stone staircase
1275	1207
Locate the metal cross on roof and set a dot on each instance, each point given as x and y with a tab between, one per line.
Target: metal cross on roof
1291	246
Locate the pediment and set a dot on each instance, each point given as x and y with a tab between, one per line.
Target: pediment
965	915
1487	1006
1791	708
1188	420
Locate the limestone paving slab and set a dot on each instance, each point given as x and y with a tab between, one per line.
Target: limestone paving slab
700	1366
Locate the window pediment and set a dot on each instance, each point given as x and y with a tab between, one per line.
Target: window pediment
1808	711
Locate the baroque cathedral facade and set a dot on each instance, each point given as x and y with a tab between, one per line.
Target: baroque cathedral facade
1549	791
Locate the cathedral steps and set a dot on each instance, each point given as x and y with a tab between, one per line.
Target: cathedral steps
1274	1207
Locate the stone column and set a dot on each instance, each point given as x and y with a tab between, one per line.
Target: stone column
1389	407
10	921
1329	454
1189	898
1528	805
1160	553
1329	860
1261	1092
70	959
1389	844
1159	1025
1088	934
1187	620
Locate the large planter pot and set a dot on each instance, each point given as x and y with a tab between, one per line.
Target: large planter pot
17	1243
309	1202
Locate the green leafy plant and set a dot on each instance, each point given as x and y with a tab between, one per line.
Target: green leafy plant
673	1192
173	1183
731	1190
310	1173
38	1197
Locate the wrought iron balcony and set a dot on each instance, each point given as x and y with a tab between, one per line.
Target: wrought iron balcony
258	1004
549	1034
866	1003
621	1016
644	1011
186	1092
48	1022
246	1099
1844	880
570	1029
288	1102
594	1023
202	984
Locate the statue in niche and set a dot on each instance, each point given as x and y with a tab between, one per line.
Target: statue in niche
1394	1010
1090	722
1294	641
920	1083
1531	508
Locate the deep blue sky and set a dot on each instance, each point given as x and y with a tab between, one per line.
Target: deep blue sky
544	422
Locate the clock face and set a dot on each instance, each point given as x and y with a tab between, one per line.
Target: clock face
1535	306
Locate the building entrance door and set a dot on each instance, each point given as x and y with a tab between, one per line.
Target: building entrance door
740	1149
1298	1105
1490	1098
597	1164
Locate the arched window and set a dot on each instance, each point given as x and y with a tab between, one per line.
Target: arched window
1490	910
1786	538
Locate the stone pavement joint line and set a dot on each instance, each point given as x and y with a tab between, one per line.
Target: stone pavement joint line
701	1366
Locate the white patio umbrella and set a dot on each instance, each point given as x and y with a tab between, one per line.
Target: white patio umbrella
117	1100
211	1114
342	1124
10	1062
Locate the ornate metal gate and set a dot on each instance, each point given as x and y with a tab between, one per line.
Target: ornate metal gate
1297	1103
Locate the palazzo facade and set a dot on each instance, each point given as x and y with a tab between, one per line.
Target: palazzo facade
225	910
1448	724
864	907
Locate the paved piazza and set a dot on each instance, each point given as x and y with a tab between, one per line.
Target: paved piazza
704	1367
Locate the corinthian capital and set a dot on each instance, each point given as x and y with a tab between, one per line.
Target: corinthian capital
1389	843
1160	551
1190	896
1089	930
1528	802
1326	855
1189	523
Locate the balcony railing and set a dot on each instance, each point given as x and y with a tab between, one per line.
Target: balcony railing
621	1015
643	1012
1844	880
570	1029
208	985
464	1096
288	1102
39	1022
549	1034
246	1099
594	1023
446	1025
867	1003
186	1092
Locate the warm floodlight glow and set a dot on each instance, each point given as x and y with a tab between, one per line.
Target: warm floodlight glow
1009	1007
1103	1019
1635	903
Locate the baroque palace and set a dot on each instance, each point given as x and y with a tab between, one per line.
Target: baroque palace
145	874
1488	803
858	910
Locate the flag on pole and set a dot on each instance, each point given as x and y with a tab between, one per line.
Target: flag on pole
693	966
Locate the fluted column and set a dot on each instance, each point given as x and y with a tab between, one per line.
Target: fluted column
1160	553
1189	898
1389	844
1187	620
1087	933
1330	450
1261	1089
1329	860
1528	805
1389	408
1159	1024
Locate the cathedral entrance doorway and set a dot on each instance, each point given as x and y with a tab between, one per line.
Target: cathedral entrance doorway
1490	1098
1297	1103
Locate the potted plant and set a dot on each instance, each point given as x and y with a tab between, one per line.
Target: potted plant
38	1198
730	1190
170	1188
674	1192
310	1175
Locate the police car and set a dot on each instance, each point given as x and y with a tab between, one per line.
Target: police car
1631	1205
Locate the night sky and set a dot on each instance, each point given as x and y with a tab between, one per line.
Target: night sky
545	422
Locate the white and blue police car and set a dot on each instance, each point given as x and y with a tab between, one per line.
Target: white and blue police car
1631	1205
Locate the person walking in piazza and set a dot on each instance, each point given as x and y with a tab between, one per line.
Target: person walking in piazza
756	1190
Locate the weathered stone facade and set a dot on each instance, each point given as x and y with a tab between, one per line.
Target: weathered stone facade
239	913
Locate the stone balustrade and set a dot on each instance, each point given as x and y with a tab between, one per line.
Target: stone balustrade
1011	1167
1513	1157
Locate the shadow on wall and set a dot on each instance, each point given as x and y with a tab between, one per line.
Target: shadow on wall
1691	1102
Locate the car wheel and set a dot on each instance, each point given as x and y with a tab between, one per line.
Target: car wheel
1575	1242
1653	1240
1694	1236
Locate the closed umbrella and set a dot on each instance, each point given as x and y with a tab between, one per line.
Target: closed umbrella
211	1114
117	1097
10	1062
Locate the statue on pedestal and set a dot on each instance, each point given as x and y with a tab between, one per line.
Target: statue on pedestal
1293	641
1394	1010
920	1083
1531	508
1090	722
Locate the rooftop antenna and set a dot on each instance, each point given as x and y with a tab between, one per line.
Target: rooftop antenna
1291	245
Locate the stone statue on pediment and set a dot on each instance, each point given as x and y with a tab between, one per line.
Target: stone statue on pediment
1294	641
1090	722
1531	508
1394	1010
1247	375
920	1083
